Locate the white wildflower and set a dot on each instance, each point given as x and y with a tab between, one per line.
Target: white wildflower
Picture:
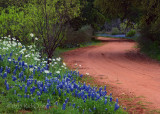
87	74
58	59
58	72
36	38
9	59
64	64
32	35
46	71
31	69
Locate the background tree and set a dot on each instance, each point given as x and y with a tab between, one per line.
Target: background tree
123	9
89	15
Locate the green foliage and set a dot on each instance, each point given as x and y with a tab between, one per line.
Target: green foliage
89	16
15	23
149	41
75	38
124	9
131	33
115	31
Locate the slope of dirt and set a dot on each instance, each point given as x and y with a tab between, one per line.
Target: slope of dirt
118	63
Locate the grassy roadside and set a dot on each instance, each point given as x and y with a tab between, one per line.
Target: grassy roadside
59	50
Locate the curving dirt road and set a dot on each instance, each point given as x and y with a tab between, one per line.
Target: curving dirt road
118	62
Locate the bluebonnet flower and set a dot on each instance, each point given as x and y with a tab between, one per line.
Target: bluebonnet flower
111	99
35	82
64	106
59	92
14	78
23	63
56	102
20	87
24	78
14	72
14	91
117	100
7	86
105	101
74	105
5	75
90	110
47	106
48	101
116	107
106	109
38	93
25	89
19	58
1	69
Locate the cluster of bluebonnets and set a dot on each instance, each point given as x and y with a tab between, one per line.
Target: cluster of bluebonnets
27	79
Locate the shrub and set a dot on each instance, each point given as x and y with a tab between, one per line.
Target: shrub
115	31
131	33
75	38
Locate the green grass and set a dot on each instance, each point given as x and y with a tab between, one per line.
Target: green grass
59	50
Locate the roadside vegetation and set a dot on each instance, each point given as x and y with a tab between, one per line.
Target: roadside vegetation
28	83
33	33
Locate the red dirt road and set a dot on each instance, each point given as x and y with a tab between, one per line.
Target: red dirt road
118	62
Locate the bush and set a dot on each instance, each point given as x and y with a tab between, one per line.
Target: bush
75	38
115	31
131	33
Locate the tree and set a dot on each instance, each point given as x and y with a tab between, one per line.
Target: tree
149	24
89	15
123	9
50	18
14	22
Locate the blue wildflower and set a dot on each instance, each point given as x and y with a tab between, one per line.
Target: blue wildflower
25	89
117	100
7	86
48	101
110	99
38	93
5	75
14	72
47	106
19	58
14	78
1	69
116	107
105	101
56	102
64	106
14	91
74	105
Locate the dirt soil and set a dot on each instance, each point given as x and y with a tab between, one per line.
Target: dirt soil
129	75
